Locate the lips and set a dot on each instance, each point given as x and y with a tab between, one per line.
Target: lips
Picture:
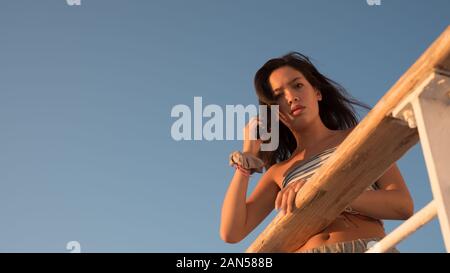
297	109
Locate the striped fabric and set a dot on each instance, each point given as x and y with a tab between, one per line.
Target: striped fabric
307	168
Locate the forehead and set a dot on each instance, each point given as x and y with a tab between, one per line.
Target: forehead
282	76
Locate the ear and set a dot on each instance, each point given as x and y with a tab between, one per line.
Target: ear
318	94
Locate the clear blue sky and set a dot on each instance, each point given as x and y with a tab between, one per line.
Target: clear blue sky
86	93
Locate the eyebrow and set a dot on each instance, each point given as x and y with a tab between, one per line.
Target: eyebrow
296	78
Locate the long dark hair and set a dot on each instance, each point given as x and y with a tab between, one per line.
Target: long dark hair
335	109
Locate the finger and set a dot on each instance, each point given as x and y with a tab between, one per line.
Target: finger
249	130
261	124
256	123
299	185
284	203
252	122
278	201
290	186
283	117
291	201
260	120
250	125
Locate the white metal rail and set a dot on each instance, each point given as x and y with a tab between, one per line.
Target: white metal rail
428	110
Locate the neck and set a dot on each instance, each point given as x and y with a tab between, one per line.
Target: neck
311	135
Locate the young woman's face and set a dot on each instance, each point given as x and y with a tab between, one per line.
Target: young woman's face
296	97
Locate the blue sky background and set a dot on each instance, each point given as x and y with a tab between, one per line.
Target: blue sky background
86	93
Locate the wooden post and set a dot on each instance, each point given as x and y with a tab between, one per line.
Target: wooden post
371	148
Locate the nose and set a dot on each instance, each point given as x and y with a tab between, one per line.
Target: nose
291	98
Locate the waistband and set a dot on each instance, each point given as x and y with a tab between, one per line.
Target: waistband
355	246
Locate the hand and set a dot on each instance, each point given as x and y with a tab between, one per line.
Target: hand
286	197
251	145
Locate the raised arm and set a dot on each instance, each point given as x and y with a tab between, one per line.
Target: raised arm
239	214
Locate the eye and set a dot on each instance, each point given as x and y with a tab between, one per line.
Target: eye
277	95
298	85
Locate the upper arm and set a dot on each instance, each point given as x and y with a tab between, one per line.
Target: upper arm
392	180
262	200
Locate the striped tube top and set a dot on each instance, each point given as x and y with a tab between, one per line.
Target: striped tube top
308	168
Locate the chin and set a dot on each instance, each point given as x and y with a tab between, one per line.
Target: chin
300	123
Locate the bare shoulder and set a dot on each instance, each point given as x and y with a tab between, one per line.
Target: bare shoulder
275	172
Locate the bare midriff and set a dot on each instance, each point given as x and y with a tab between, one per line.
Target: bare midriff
347	227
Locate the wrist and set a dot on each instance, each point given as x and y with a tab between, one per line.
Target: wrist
249	151
246	161
242	171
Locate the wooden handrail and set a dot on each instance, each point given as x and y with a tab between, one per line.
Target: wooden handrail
377	142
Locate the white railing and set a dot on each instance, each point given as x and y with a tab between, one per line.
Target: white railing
428	110
416	221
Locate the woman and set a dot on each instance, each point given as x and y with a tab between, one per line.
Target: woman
316	117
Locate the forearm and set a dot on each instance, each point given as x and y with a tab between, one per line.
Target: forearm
384	204
234	208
